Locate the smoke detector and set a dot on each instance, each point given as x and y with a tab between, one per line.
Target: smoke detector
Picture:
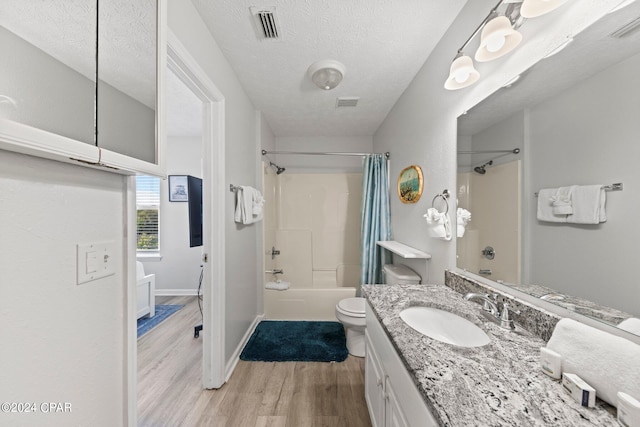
266	22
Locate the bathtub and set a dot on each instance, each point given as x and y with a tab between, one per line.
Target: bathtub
304	304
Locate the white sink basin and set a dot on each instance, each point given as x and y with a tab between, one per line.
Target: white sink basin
444	326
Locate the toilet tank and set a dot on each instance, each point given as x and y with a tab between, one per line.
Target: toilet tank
399	274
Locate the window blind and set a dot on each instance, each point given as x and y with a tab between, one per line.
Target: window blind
148	206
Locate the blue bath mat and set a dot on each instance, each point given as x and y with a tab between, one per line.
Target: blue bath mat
296	341
162	313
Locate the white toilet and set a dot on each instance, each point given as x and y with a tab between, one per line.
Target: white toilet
351	311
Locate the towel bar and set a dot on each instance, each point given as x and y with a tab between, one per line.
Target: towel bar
613	187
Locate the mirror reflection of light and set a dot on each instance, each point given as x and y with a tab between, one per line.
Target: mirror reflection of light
496	43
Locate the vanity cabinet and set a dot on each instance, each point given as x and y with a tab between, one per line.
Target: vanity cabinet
392	397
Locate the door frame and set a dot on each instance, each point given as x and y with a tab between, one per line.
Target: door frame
186	68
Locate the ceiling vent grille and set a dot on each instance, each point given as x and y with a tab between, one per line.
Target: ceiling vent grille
347	101
627	29
266	22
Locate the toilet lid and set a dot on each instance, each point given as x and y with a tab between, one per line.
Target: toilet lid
352	306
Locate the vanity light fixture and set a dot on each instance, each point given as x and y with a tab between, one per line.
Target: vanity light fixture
326	74
535	8
498	38
462	73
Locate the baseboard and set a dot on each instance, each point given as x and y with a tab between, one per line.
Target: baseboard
231	365
176	292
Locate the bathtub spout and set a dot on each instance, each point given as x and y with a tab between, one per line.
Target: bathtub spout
274	271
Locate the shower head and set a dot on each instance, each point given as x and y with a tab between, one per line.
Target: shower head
278	169
482	169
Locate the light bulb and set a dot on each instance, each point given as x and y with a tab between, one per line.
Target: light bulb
461	76
496	43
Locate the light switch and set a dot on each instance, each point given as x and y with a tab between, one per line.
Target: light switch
95	261
91	262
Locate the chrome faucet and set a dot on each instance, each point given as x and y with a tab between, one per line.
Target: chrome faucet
490	306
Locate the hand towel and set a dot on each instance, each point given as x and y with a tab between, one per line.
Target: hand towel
463	218
545	207
246	199
631	324
608	363
561	201
588	203
439	226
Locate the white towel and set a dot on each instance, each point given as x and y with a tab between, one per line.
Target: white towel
439	226
278	285
608	363
249	203
561	201
588	204
545	206
631	324
463	218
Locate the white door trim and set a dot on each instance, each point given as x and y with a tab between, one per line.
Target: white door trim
180	61
191	74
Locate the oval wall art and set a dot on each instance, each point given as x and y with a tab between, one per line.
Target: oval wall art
410	184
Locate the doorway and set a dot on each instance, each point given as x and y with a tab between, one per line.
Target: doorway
189	73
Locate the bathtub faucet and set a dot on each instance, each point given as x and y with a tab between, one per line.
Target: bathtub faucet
275	271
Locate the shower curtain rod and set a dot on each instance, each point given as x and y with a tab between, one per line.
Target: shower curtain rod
264	152
514	151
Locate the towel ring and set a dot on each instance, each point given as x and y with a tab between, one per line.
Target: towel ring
444	195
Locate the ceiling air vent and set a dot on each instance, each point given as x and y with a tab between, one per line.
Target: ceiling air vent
266	22
627	29
344	101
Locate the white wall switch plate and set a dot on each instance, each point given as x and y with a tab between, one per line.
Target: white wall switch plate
95	261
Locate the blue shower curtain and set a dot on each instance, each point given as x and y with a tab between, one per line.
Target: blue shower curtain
375	224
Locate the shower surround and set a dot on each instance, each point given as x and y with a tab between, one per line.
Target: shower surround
314	221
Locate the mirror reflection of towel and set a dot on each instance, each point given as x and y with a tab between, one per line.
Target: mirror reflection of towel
588	204
463	218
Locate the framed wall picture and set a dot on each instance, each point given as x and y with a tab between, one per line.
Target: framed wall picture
410	184
178	188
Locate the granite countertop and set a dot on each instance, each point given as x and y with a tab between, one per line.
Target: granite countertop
499	384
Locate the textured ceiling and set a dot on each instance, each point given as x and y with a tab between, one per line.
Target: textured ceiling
382	43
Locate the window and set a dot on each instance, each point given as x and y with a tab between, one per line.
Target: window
148	207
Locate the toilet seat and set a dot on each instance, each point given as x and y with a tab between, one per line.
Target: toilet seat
353	307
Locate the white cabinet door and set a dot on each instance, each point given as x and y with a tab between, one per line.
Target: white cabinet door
374	385
394	417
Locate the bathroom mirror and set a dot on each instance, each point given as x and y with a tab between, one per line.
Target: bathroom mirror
576	118
58	50
127	58
48	71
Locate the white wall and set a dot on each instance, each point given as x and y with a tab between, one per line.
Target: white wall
241	151
592	143
178	271
266	141
421	127
320	164
61	342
